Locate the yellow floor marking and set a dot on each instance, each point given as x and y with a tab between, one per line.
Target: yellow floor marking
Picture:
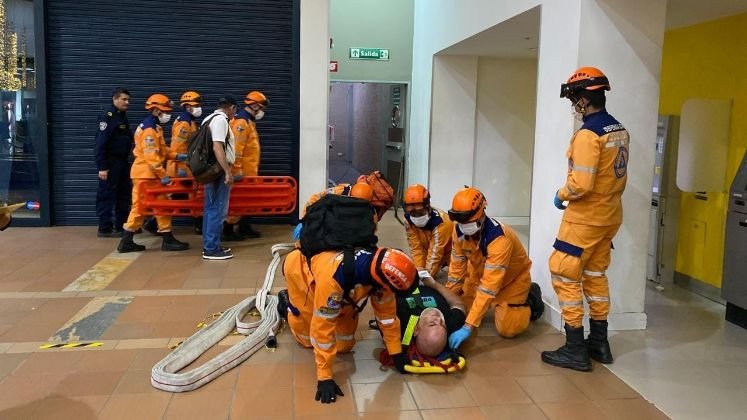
105	271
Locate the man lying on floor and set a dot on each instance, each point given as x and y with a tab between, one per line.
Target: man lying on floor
427	317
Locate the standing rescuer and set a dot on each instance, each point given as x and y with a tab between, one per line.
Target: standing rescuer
428	230
597	174
151	154
247	157
112	150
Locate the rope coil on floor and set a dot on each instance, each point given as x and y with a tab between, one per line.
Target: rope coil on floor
165	374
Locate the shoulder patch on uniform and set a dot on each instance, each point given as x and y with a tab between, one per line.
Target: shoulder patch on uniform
183	131
109	114
103	125
334	301
150	140
240	128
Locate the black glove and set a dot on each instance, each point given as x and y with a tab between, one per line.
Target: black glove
400	360
327	391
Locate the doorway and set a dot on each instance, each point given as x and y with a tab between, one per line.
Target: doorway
366	131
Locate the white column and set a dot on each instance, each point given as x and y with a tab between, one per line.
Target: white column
314	97
624	39
452	143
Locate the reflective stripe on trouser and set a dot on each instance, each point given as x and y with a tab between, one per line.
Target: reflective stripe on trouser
135	219
578	264
299	278
511	320
301	295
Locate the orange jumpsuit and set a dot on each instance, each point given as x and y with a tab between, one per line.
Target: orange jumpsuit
430	245
318	315
247	149
597	174
151	154
492	269
184	127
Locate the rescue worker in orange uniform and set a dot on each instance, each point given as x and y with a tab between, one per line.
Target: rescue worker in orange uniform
323	304
182	129
597	174
490	267
428	231
247	158
151	154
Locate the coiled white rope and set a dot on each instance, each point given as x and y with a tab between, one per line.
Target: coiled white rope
165	374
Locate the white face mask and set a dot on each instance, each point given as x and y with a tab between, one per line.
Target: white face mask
259	115
469	229
164	118
421	220
197	112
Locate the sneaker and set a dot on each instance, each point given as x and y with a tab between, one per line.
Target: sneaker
216	255
226	249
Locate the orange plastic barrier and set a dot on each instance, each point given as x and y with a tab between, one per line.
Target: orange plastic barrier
252	196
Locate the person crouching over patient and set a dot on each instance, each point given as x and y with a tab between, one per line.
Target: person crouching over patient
490	267
322	304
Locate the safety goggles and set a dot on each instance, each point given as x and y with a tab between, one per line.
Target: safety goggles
462	216
416	210
568	89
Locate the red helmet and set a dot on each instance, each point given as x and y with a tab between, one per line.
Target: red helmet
394	270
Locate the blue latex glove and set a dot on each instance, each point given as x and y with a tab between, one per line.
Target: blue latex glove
181	157
297	232
458	337
558	202
181	173
165	180
237	178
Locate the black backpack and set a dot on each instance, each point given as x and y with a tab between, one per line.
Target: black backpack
337	222
200	157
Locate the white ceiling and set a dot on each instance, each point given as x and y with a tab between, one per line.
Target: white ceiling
689	12
507	39
518	37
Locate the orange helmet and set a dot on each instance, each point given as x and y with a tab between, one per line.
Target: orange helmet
363	191
159	101
417	194
190	97
255	97
467	206
383	193
586	78
394	270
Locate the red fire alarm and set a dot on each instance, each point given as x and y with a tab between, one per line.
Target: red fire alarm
333	66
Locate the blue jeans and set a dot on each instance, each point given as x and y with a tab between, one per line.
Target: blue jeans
216	209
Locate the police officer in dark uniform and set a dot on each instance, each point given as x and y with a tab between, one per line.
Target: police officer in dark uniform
114	142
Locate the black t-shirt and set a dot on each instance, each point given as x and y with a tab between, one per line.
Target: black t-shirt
415	303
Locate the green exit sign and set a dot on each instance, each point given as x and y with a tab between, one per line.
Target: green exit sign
369	54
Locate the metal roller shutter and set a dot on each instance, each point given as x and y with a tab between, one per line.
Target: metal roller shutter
156	46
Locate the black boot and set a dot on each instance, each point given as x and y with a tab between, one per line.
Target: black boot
597	344
283	303
152	226
170	243
573	354
128	245
198	225
246	229
229	234
535	302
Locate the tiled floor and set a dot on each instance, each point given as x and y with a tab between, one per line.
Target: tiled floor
170	293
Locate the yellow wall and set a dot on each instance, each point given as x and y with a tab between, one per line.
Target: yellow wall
708	60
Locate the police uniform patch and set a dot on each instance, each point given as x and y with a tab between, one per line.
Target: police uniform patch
109	113
102	125
334	301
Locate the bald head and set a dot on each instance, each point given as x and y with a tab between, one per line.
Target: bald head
430	333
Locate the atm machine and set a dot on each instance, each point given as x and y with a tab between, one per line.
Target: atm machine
734	287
